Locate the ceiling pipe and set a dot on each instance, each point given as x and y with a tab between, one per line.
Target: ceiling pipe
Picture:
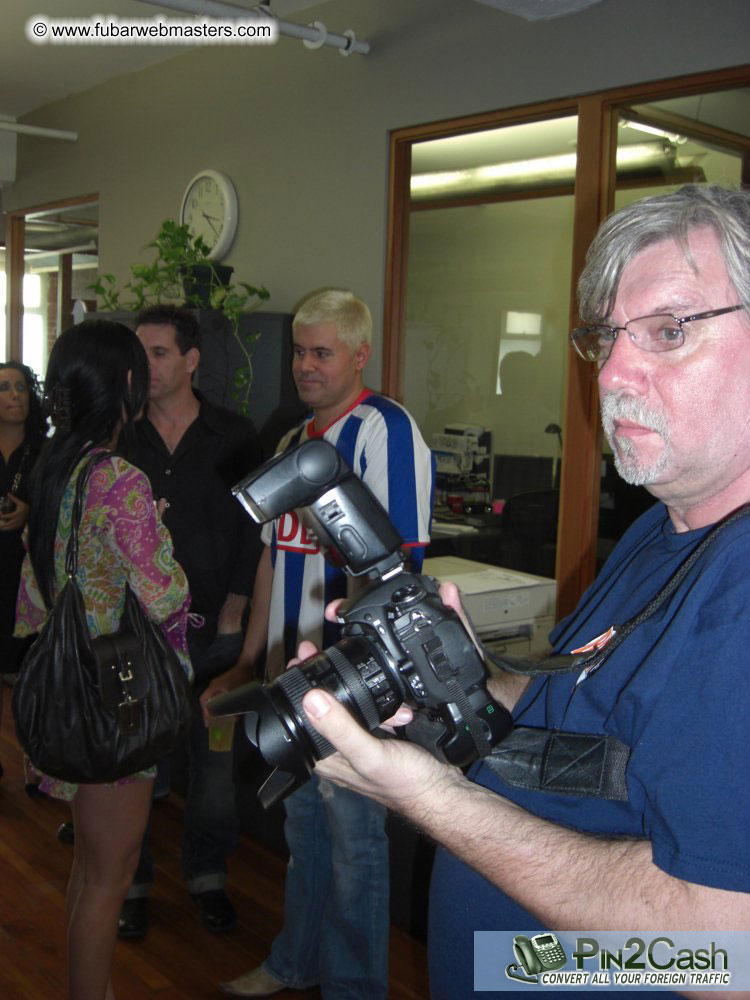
45	133
56	242
313	36
46	256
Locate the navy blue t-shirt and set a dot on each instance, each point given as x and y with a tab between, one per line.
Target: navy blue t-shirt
676	692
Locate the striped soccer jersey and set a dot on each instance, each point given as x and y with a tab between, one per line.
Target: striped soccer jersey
384	447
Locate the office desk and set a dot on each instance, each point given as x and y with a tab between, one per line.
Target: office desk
476	537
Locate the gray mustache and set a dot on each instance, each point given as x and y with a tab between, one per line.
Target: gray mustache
614	407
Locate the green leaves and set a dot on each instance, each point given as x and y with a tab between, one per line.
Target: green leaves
243	377
106	292
163	281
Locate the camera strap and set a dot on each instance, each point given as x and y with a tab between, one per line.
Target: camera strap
587	764
473	724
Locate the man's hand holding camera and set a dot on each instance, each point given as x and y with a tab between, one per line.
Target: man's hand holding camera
396	773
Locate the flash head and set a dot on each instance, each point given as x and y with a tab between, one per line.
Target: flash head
350	525
293	479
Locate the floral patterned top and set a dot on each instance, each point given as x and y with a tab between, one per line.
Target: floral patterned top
120	539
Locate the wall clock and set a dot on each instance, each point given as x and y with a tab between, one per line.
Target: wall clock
209	208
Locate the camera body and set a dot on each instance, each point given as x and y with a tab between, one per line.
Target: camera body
399	642
433	666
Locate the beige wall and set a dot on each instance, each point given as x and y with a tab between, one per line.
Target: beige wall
304	134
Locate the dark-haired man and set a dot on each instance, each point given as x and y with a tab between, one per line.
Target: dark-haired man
193	452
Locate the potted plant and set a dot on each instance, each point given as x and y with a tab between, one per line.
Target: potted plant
182	272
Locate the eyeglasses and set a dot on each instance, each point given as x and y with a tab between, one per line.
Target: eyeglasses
657	333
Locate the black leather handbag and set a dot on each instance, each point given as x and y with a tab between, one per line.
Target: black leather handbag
95	710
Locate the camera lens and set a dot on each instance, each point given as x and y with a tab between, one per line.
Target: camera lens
354	673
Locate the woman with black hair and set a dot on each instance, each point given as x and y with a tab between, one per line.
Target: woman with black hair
22	432
97	385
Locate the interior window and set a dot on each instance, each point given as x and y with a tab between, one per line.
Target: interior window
487	307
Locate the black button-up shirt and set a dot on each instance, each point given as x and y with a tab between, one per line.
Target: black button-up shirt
215	541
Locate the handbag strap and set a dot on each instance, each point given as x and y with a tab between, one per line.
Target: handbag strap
21	469
71	554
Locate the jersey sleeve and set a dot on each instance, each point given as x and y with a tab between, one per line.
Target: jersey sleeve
397	466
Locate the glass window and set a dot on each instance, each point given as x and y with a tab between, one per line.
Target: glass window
487	309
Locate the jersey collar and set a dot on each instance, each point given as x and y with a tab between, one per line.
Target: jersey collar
312	430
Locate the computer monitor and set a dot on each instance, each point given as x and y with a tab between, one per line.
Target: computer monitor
513	474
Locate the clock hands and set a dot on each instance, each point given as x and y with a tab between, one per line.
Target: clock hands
210	219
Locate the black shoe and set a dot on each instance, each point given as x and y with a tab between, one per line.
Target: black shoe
133	919
215	910
66	833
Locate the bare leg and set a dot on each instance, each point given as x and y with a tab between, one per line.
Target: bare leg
109	822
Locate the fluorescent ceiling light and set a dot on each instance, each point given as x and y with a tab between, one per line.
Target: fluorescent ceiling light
653	130
551	165
544	168
444	179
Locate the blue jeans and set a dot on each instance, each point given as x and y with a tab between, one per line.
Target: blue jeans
211	821
336	903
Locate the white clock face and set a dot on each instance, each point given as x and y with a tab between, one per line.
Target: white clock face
209	208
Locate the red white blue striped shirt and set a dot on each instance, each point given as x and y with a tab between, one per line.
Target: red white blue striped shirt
382	444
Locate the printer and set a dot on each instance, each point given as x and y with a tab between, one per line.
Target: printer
512	612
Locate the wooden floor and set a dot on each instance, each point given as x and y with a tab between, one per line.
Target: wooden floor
178	960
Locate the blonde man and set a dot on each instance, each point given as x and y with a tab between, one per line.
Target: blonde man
336	926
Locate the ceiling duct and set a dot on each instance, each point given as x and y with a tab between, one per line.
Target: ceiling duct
63	232
539	10
37	130
62	242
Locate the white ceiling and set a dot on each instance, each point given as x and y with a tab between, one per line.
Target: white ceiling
34	75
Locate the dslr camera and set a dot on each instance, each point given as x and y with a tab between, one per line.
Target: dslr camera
399	642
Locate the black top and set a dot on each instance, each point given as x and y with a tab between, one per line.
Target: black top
215	541
21	460
11	546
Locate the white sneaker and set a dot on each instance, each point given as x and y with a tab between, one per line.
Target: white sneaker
257	983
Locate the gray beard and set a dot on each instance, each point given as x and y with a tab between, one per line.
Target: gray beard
627	463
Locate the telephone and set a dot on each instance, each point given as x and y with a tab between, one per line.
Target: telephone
542	953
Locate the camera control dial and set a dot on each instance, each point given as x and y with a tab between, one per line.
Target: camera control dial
407	595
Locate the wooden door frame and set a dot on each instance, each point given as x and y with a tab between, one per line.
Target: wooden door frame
15	267
594	200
